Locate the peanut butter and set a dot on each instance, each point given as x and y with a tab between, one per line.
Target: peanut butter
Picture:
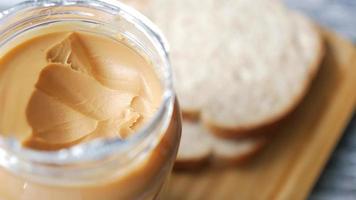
87	86
72	72
61	86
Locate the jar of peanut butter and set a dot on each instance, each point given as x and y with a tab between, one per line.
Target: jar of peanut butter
87	107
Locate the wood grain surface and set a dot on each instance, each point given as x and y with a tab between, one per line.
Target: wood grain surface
300	147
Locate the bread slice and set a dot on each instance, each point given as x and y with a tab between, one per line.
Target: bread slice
198	147
240	65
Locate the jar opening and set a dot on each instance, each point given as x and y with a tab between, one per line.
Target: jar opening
30	14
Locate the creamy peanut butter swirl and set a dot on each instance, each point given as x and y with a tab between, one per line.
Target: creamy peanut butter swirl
86	91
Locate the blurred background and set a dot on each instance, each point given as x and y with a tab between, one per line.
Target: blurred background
338	181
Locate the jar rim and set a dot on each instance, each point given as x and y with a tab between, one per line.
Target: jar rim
103	147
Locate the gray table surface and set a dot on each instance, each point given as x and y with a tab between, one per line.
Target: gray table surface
338	181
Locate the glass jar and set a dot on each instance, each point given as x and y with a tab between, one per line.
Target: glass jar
104	169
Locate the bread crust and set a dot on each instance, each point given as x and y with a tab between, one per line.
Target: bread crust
191	115
191	164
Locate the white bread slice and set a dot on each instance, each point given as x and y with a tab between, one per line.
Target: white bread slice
195	146
199	147
241	65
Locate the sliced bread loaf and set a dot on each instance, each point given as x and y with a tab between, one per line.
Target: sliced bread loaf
199	147
241	65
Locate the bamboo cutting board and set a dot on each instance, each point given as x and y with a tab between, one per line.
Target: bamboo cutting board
290	165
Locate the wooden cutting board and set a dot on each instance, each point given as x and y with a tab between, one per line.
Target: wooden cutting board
290	165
